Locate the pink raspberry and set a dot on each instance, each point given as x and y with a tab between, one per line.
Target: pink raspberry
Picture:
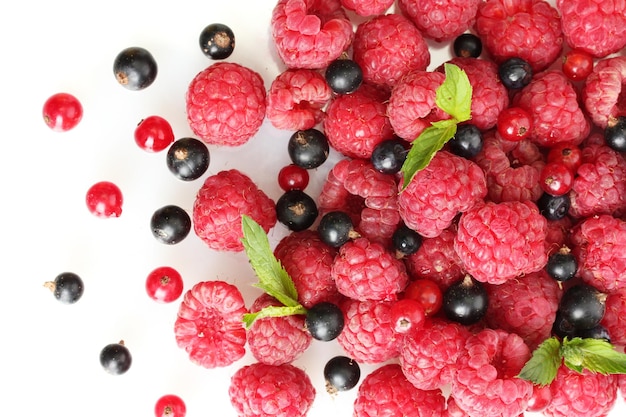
262	390
378	190
595	26
378	225
221	201
296	98
428	359
485	383
449	185
440	20
226	104
310	33
387	47
366	270
367	7
599	243
368	334
615	316
553	103
501	241
334	195
528	29
602	92
386	392
209	324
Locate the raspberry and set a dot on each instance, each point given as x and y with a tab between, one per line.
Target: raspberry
429	360
378	225
366	270
226	104
615	316
449	185
500	241
367	7
485	383
440	20
595	26
386	392
221	201
602	92
368	334
209	324
553	103
261	390
378	190
527	29
581	394
335	197
310	33
387	47
295	99
599	245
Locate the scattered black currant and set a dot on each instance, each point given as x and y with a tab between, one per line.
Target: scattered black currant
324	321
553	207
344	76
615	134
389	155
596	332
217	41
465	301
467	45
582	306
336	228
308	148
406	241
135	68
562	328
296	209
115	358
562	265
67	287
188	159
341	373
467	142
170	224
515	73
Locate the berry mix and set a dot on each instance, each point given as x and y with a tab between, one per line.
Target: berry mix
466	249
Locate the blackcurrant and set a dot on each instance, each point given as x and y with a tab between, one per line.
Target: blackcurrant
336	228
406	241
562	265
389	155
296	209
217	41
67	287
562	328
582	306
467	45
135	68
596	332
554	207
465	301
515	73
115	358
341	373
467	142
615	134
324	321
343	76
188	159
170	224
308	148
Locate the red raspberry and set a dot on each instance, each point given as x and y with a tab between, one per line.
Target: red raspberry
366	270
581	394
276	340
595	26
599	244
528	29
387	47
615	316
485	383
310	33
368	334
295	99
261	390
440	20
449	185
221	201
226	104
367	7
429	358
209	324
377	189
553	103
379	225
501	241
334	195
386	392
602	92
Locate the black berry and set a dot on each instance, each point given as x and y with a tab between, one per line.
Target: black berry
308	148
515	73
170	224
553	207
115	358
406	241
467	141
467	45
217	41
67	287
343	76
296	209
615	134
335	228
341	374
389	155
324	321
135	68
562	265
188	159
465	301
582	306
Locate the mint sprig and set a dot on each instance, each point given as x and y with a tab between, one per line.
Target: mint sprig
454	96
578	354
273	278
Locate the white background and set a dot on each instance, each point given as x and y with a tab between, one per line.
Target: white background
50	351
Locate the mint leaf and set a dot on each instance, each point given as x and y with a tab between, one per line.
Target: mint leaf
595	355
272	311
454	95
542	367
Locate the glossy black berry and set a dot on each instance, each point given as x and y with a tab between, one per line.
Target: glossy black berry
562	328
553	207
135	68
465	301
217	41
67	287
324	321
188	159
562	265
406	241
582	306
467	141
344	76
615	134
308	148
341	373
170	224
336	228
389	155
596	332
515	73
296	209
467	45
115	358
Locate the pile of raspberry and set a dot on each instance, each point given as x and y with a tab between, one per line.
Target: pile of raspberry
478	215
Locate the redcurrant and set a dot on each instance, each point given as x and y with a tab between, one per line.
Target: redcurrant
170	405
514	124
164	284
154	134
541	398
293	177
62	112
407	315
104	199
427	292
556	178
566	154
577	64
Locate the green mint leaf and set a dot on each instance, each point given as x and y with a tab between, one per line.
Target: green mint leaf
543	365
272	311
595	355
454	95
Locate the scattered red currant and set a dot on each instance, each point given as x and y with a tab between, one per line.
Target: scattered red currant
154	134
427	292
407	315
566	154
104	199
577	64
556	178
164	284
514	124
293	177
170	405
62	112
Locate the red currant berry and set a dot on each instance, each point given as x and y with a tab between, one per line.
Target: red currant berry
170	405
427	292
569	155
154	134
556	179
577	64
293	177
541	398
164	284
407	315
62	112
514	124
104	199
